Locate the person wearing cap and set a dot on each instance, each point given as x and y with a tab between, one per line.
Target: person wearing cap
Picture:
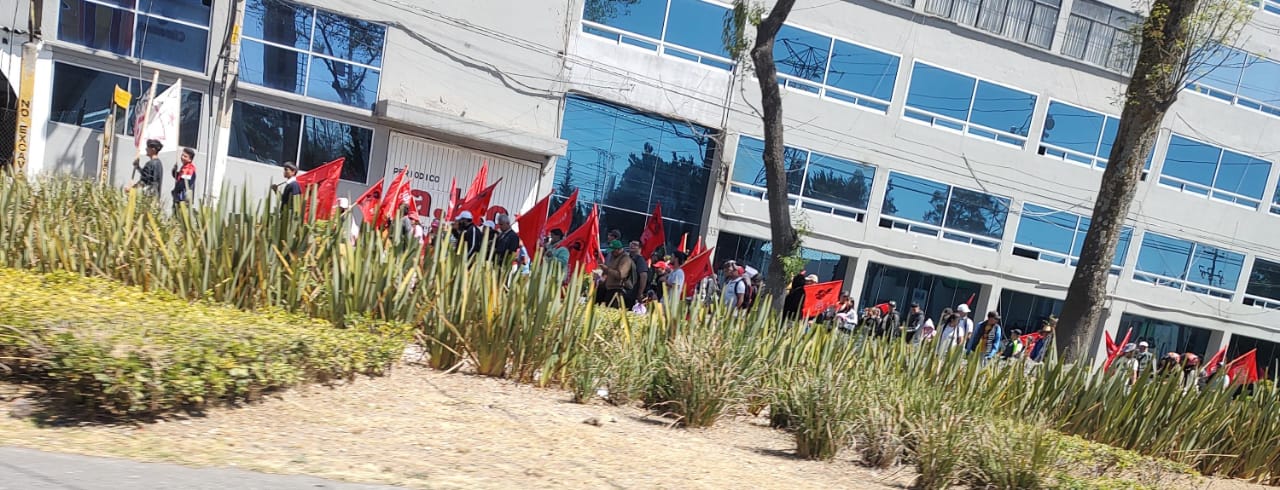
1127	364
735	286
553	250
618	273
986	339
465	234
916	320
956	330
151	174
184	177
1190	371
1145	358
351	219
660	270
289	189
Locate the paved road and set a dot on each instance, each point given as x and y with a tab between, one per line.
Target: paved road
28	469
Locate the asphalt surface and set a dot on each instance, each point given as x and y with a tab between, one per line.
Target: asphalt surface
28	469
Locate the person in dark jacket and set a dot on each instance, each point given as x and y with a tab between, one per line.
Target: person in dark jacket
289	189
506	246
794	301
465	234
151	174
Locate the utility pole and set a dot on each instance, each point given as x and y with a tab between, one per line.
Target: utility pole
26	88
226	102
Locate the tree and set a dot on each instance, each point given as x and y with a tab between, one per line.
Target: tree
785	239
1179	39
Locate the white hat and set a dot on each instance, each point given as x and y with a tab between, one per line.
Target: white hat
343	203
1143	344
812	277
464	215
1130	347
963	308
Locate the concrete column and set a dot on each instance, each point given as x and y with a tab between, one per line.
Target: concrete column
1242	284
1011	228
855	278
1060	32
988	300
1218	339
717	188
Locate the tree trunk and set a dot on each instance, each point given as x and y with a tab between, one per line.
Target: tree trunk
782	235
1152	89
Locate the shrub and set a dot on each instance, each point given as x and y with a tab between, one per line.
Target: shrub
821	405
944	448
96	345
1014	455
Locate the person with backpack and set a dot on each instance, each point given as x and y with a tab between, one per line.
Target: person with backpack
184	176
753	289
735	286
1013	346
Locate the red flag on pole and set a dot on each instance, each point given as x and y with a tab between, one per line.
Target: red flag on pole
654	235
696	269
479	202
971	297
697	249
325	179
1217	359
533	223
584	244
1244	369
478	184
819	297
369	202
562	219
684	240
452	207
395	195
1116	349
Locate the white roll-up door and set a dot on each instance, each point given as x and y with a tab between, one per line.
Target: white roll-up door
432	165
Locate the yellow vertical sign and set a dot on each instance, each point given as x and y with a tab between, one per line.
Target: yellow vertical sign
26	91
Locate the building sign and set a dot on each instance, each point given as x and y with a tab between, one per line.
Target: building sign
26	91
432	166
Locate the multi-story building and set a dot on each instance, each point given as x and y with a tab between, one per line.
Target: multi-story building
940	150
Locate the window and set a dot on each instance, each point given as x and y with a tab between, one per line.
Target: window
1027	21
671	27
1101	35
1207	170
1025	311
1270	6
272	136
82	97
917	205
1163	336
822	183
886	283
949	100
1058	236
756	253
1189	266
626	160
861	76
173	32
1239	78
1078	135
801	55
312	52
1264	285
1275	201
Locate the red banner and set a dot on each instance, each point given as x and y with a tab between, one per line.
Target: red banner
696	269
697	249
325	179
1244	369
819	297
533	224
478	203
1219	358
654	235
1114	350
396	194
369	202
478	184
584	245
562	219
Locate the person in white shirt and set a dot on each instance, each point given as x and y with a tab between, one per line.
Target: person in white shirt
675	279
735	286
955	328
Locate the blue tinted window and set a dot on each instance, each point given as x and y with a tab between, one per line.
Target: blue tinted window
1240	78
748	165
348	39
78	94
1264	280
193	11
862	70
1215	267
1191	160
1002	108
915	199
1221	69
96	26
838	181
264	134
172	32
1074	129
1047	229
688	24
1261	81
279	22
344	83
1242	174
324	140
1212	171
171	43
642	17
940	91
977	213
801	53
272	67
1164	255
626	160
1109	137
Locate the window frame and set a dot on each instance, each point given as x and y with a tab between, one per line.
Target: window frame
1070	259
942	231
825	91
1231	96
311	53
1211	192
124	125
967	127
1184	283
1259	301
1004	17
136	13
1131	60
660	46
302	129
800	201
1096	161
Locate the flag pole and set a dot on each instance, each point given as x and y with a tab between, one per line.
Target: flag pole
140	119
108	137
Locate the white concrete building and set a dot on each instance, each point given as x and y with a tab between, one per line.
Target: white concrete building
942	149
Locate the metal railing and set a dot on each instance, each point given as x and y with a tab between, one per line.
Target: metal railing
1189	187
964	127
910	226
622	37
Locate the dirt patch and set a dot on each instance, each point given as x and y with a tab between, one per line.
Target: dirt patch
420	428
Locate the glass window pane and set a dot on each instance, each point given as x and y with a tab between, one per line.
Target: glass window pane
1164	255
263	134
1221	69
940	91
172	43
279	22
324	141
748	164
1002	108
838	181
977	213
81	96
1242	174
1261	81
95	26
1264	279
1047	229
348	39
862	70
681	171
1073	128
343	83
801	53
193	11
915	198
269	66
1122	245
189	122
1191	160
642	17
687	26
1216	267
1109	130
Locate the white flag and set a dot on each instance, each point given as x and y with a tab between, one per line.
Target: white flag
158	119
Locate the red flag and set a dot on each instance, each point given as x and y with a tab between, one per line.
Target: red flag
369	202
533	223
562	219
1244	369
325	178
697	249
584	244
696	269
1111	343
396	194
452	207
654	235
1116	350
478	184
819	297
479	202
1219	358
684	240
971	297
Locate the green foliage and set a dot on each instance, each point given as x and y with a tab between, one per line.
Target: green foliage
97	345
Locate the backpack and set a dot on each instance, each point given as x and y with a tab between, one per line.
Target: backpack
749	298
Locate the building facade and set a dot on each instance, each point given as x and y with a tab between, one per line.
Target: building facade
939	150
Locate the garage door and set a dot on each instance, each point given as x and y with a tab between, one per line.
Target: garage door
433	165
